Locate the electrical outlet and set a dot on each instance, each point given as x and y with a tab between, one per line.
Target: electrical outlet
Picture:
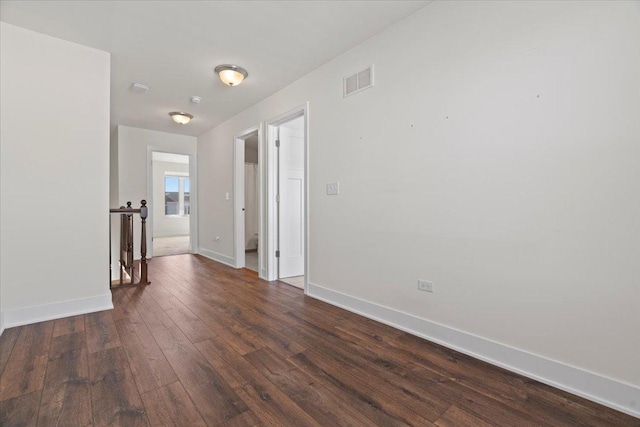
226	196
217	238
333	189
425	286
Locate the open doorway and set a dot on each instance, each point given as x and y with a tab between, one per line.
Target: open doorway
171	209
286	226
291	201
251	216
247	200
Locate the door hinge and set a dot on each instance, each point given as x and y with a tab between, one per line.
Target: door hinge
277	254
277	198
277	143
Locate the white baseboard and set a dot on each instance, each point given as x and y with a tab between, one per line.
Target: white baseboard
56	310
170	235
1	322
606	391
226	260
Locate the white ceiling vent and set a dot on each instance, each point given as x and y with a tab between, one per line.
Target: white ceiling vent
358	82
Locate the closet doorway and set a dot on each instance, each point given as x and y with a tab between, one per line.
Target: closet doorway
247	200
291	201
286	256
251	217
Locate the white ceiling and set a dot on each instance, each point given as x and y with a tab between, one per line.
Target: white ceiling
173	47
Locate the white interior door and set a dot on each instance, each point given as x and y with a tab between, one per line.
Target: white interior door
291	207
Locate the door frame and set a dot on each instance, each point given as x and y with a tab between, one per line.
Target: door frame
271	181
193	198
238	197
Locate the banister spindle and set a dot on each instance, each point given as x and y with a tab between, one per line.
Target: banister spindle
123	244
144	211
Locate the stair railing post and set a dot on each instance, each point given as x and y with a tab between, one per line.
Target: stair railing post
144	211
128	266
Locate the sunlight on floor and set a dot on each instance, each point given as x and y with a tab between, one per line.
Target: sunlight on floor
297	281
163	246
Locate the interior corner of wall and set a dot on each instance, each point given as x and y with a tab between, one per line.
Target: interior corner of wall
1	322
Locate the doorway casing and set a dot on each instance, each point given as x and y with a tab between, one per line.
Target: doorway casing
267	192
238	198
193	184
271	206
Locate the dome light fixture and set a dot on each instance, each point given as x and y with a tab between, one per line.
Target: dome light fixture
231	75
180	117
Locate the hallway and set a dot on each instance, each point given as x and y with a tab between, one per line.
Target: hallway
206	344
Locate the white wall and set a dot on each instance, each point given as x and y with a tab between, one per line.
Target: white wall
54	142
497	156
215	176
167	226
134	145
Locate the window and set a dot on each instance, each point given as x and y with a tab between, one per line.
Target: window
176	195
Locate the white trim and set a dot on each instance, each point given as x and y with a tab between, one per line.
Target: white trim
223	259
193	203
56	310
1	322
238	193
606	391
262	198
270	270
193	200
306	197
238	202
270	208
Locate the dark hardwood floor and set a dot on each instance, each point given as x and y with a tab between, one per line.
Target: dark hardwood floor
205	344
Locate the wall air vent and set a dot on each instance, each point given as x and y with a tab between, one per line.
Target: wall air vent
358	82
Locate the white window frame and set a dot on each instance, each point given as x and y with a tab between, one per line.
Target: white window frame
181	177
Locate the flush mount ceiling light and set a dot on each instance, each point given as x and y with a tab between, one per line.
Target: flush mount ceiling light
180	117
231	75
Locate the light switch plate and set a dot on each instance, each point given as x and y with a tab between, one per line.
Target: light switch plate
333	189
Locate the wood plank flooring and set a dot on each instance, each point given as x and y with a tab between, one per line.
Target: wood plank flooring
207	345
